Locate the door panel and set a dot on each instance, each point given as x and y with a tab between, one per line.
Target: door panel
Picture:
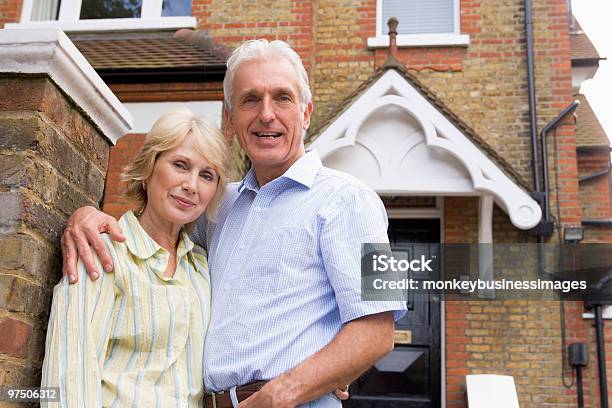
408	377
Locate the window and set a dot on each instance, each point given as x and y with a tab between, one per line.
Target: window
420	17
421	23
81	15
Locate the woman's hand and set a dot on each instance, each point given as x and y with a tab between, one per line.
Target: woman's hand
82	239
342	393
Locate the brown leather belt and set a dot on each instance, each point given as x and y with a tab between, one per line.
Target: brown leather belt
223	399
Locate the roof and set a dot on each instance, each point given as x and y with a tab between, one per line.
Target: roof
589	131
580	44
394	64
133	51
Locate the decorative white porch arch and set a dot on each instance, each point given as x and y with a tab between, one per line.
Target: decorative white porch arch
398	143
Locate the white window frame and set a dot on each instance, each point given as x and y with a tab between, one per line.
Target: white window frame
68	19
454	38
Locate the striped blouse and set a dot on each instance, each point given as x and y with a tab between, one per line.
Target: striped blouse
132	338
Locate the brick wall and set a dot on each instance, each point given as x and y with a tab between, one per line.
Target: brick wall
518	338
52	161
595	204
121	154
331	37
10	11
595	193
581	330
521	338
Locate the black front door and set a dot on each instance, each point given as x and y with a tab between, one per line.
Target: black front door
409	377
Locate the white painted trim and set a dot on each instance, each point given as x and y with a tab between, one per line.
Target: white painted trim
456	17
485	219
26	10
112	24
146	113
69	10
151	9
421	40
606	313
485	236
50	52
440	133
454	38
379	22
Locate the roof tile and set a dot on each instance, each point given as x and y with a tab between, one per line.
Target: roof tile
580	44
589	131
185	48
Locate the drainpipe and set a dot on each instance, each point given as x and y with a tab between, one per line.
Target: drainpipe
551	125
570	16
532	98
601	357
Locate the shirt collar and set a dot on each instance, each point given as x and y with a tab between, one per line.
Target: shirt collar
249	181
303	171
141	245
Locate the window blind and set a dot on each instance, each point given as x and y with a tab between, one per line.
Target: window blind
44	10
419	16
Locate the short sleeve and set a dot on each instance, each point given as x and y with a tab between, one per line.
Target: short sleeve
356	218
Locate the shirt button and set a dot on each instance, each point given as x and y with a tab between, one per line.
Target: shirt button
258	209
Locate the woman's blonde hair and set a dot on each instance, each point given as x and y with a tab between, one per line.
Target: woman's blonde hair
168	132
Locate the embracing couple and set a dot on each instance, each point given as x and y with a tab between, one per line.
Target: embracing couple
246	294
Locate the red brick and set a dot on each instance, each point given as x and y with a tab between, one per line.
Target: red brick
15	337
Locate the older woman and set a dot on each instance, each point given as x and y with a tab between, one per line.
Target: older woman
135	337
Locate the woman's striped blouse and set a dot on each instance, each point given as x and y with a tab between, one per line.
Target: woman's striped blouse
132	338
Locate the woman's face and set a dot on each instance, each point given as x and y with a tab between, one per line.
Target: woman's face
181	186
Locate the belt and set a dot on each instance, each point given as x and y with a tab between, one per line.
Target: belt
224	400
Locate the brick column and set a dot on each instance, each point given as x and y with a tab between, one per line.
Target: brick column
57	122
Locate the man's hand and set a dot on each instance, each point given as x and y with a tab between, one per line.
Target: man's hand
271	396
342	393
82	239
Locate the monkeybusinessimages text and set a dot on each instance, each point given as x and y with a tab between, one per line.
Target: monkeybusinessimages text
388	264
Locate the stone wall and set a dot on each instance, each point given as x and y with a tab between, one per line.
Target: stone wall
53	160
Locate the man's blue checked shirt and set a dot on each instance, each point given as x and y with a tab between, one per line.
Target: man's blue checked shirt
285	270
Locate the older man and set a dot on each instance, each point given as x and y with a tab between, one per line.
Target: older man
284	253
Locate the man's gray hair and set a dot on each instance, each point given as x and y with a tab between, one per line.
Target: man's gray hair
264	50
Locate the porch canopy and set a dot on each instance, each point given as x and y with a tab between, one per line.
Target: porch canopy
398	138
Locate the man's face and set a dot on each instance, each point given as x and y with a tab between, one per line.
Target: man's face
268	117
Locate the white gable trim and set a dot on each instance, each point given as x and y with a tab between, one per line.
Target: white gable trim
439	133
